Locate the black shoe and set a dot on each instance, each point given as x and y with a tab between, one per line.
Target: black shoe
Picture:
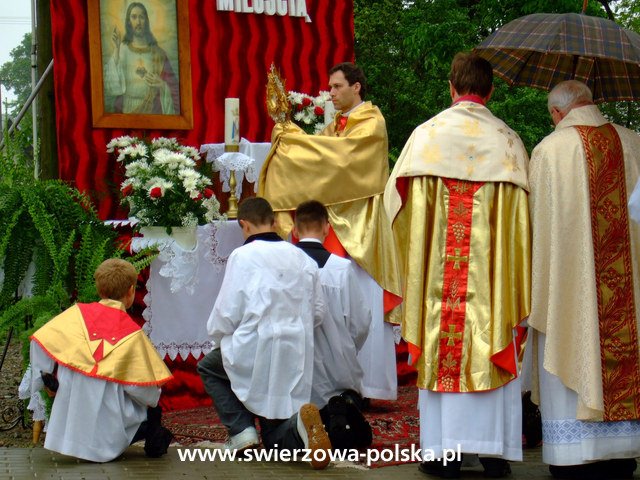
154	415
362	434
353	397
586	471
431	467
157	442
334	416
621	467
495	467
437	468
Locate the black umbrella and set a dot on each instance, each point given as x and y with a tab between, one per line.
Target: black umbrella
543	49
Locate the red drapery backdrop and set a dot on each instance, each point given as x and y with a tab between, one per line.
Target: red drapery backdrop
230	56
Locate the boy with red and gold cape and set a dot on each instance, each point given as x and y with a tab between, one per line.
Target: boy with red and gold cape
108	374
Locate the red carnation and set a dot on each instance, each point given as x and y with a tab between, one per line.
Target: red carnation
208	193
318	110
128	190
198	198
306	101
155	192
299	107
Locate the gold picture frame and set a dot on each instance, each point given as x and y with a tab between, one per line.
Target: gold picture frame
140	64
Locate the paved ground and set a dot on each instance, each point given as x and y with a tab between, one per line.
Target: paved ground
26	463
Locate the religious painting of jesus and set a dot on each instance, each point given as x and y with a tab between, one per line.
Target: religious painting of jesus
140	74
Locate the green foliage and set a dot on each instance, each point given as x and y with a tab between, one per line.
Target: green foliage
16	73
405	51
523	109
54	229
144	258
628	14
623	113
405	48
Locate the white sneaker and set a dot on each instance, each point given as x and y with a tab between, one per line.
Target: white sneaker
245	439
314	436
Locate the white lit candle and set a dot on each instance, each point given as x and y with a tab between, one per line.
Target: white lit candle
232	121
329	112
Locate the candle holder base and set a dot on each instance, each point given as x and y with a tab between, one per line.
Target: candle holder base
233	200
232	212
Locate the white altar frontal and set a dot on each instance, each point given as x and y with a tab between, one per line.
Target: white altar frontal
176	314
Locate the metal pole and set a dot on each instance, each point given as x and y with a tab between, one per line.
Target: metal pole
6	347
33	94
34	76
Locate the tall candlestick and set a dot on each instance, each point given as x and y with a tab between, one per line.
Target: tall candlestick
232	121
329	112
232	144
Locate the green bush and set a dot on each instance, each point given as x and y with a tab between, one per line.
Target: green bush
54	228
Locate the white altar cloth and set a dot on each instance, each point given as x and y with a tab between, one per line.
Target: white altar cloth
177	323
257	151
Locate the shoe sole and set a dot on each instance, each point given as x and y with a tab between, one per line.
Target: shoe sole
317	436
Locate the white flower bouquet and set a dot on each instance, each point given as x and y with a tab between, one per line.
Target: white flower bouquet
164	184
308	112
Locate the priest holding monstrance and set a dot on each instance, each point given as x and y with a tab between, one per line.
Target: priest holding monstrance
346	168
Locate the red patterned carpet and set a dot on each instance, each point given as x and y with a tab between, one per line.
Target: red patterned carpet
393	423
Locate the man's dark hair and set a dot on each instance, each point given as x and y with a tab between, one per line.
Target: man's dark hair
256	210
471	74
128	36
311	215
353	74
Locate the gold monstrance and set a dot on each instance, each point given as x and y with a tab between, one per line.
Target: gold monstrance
278	104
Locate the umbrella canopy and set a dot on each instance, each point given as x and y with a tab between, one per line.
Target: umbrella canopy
543	49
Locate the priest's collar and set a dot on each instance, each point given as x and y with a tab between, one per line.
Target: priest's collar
346	114
266	236
309	239
470	98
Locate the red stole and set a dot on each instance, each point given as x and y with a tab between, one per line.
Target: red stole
341	123
613	272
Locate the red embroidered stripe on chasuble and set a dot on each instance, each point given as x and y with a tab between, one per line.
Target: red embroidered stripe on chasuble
613	273
456	277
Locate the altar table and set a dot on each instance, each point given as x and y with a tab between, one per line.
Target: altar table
176	322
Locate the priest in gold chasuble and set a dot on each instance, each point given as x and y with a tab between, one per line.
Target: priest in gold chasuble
457	199
346	169
586	290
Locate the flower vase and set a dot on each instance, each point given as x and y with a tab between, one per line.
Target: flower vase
185	237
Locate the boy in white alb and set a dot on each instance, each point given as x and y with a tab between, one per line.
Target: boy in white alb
262	327
108	374
337	373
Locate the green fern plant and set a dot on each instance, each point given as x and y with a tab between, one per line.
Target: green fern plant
50	238
144	258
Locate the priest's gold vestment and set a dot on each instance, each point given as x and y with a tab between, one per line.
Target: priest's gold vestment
457	200
347	172
566	276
